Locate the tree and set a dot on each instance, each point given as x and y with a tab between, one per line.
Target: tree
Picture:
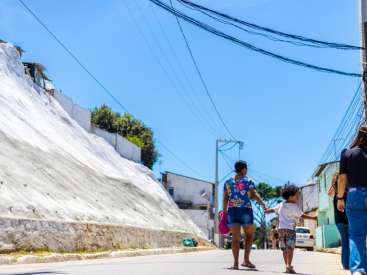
271	196
130	128
105	118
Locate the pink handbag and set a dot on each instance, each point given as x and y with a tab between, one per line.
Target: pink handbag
223	226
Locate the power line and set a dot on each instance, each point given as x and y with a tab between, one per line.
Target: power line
201	76
208	120
229	162
180	160
344	126
351	121
77	60
270	37
193	103
225	17
175	81
226	176
249	46
229	148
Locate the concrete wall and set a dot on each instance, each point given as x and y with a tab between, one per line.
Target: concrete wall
327	229
109	137
324	180
57	236
83	117
310	197
200	218
312	224
327	236
65	101
188	189
128	149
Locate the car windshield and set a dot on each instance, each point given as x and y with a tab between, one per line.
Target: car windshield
302	230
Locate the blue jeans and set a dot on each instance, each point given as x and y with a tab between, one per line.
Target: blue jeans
344	235
240	216
357	215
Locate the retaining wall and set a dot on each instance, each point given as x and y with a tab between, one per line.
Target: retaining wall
83	117
58	236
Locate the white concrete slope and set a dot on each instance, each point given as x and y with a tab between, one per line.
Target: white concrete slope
52	169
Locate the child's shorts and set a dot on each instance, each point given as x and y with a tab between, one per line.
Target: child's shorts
287	239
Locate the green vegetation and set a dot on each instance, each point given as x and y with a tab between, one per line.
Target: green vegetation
130	128
271	196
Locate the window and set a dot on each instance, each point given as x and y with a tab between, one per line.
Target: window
171	191
303	230
325	182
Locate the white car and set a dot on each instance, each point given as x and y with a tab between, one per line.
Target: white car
304	238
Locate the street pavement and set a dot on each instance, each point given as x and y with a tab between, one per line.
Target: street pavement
214	262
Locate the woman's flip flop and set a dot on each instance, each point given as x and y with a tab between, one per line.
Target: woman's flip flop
249	265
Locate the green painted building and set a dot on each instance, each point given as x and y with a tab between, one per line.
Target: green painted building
327	234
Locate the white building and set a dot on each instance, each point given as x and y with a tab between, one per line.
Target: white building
310	204
194	197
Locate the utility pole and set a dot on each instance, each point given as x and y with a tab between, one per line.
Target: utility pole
363	22
216	238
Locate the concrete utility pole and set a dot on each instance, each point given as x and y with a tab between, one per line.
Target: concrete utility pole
216	238
363	22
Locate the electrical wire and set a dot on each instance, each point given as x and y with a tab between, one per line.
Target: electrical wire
343	127
73	56
108	92
228	19
246	45
270	37
229	162
204	116
180	160
229	148
203	82
347	128
175	81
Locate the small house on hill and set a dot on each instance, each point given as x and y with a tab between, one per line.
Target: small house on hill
37	72
310	204
327	233
194	197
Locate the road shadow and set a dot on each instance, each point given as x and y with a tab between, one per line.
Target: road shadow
262	271
241	269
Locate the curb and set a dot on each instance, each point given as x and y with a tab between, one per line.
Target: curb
330	250
57	257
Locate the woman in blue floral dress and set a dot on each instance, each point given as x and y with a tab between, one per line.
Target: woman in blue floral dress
238	192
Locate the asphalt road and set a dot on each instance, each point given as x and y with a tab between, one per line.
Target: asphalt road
199	263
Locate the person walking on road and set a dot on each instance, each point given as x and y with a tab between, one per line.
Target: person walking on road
353	174
341	221
237	205
289	214
274	236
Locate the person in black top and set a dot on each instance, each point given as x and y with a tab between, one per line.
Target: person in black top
353	173
341	222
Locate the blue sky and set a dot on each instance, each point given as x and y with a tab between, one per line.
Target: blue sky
285	114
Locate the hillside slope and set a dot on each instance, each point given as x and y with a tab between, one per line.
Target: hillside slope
52	169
